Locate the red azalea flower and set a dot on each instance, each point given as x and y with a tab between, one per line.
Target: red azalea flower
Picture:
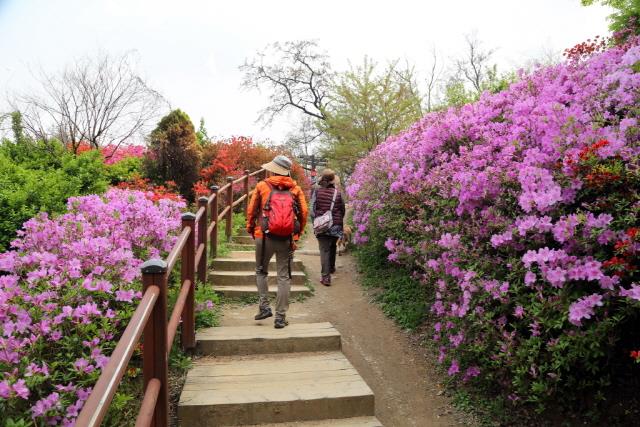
621	245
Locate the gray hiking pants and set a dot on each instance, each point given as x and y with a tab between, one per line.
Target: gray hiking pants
328	246
281	249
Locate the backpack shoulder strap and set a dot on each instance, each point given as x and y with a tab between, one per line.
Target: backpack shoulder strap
333	200
267	204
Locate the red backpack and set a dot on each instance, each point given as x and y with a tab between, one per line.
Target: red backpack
280	214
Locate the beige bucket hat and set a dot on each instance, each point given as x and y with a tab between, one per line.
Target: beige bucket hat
280	165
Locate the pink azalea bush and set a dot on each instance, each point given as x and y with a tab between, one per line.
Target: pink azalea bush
519	215
67	291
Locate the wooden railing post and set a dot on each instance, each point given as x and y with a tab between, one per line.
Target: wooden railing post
246	192
155	360
229	228
214	217
187	272
203	202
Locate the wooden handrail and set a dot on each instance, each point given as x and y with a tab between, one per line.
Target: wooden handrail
177	248
174	321
199	253
145	416
188	275
213	195
243	178
150	317
96	406
224	188
240	200
199	213
224	212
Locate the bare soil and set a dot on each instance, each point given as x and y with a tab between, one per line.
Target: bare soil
392	362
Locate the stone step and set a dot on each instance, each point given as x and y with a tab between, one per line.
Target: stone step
243	232
249	264
281	388
256	339
241	247
248	278
345	422
249	291
241	255
245	240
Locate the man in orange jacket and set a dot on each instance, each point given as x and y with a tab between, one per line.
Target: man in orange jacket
282	246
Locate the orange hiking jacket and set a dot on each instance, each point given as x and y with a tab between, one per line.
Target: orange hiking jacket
259	199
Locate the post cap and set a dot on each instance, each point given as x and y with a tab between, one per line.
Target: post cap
154	266
229	178
214	188
203	199
188	216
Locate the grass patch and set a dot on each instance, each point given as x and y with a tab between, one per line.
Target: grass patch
401	297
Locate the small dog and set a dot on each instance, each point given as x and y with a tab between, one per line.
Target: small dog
343	242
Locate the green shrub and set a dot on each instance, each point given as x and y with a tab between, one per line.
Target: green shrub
28	188
125	170
174	154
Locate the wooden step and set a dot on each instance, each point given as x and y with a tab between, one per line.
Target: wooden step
345	422
245	240
249	291
248	264
241	247
241	255
248	278
246	340
273	389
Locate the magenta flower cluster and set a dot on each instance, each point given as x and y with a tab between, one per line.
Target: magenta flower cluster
67	290
505	228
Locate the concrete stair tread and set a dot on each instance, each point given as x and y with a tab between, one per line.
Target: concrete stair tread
260	332
281	378
247	240
248	278
345	422
241	255
242	290
243	273
264	339
242	246
246	264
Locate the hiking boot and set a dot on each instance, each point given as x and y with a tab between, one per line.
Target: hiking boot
264	313
280	322
326	280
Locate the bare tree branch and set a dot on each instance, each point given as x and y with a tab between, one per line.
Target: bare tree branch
433	78
100	101
474	67
296	75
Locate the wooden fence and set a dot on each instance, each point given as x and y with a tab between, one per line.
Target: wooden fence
151	317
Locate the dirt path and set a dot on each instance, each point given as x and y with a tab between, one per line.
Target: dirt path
395	368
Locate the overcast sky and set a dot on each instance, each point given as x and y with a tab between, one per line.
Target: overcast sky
190	50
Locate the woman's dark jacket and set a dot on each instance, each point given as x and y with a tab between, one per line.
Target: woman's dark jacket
322	202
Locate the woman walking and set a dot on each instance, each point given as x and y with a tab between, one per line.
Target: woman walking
327	198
